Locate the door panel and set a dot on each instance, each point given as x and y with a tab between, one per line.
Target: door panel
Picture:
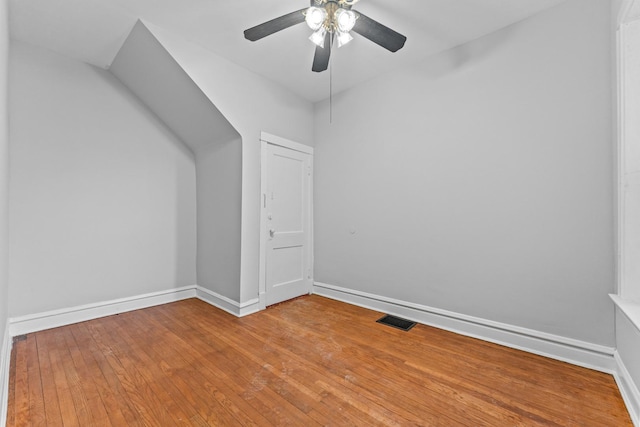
285	263
288	205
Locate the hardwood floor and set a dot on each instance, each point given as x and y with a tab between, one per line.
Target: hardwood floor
309	361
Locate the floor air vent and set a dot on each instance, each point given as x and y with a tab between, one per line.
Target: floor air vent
396	322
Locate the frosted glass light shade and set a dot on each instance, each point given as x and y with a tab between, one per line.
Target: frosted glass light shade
343	38
315	17
345	20
318	37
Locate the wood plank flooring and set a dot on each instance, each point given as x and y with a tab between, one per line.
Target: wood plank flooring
309	361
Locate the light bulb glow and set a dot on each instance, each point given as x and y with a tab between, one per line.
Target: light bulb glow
343	38
318	37
345	20
315	17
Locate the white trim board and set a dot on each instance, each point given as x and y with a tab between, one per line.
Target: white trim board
628	390
67	316
631	309
227	304
625	13
5	358
581	353
282	142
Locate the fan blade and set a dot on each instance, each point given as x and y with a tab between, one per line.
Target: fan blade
378	33
321	58
275	25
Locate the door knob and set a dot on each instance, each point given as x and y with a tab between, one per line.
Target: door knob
272	232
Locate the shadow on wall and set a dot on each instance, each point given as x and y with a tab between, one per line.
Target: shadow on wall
118	87
184	192
153	74
461	57
95	182
441	34
219	195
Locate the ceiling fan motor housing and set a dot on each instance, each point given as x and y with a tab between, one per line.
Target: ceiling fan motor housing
341	3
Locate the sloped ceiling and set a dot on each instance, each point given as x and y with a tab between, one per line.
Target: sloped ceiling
150	72
93	31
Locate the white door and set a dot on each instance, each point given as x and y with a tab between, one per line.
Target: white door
288	224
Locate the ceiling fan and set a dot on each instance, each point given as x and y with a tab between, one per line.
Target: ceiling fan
330	20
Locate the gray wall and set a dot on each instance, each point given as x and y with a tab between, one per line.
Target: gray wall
480	180
149	71
251	104
219	183
102	196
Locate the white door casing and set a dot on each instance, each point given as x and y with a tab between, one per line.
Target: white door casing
286	220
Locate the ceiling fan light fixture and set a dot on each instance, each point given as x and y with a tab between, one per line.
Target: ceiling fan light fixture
345	20
343	38
318	37
330	20
315	17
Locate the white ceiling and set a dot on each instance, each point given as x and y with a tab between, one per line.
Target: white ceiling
93	31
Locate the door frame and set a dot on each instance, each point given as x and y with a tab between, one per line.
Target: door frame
267	139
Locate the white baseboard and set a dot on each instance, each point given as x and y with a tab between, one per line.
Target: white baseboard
628	390
227	304
592	356
580	353
67	316
5	359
